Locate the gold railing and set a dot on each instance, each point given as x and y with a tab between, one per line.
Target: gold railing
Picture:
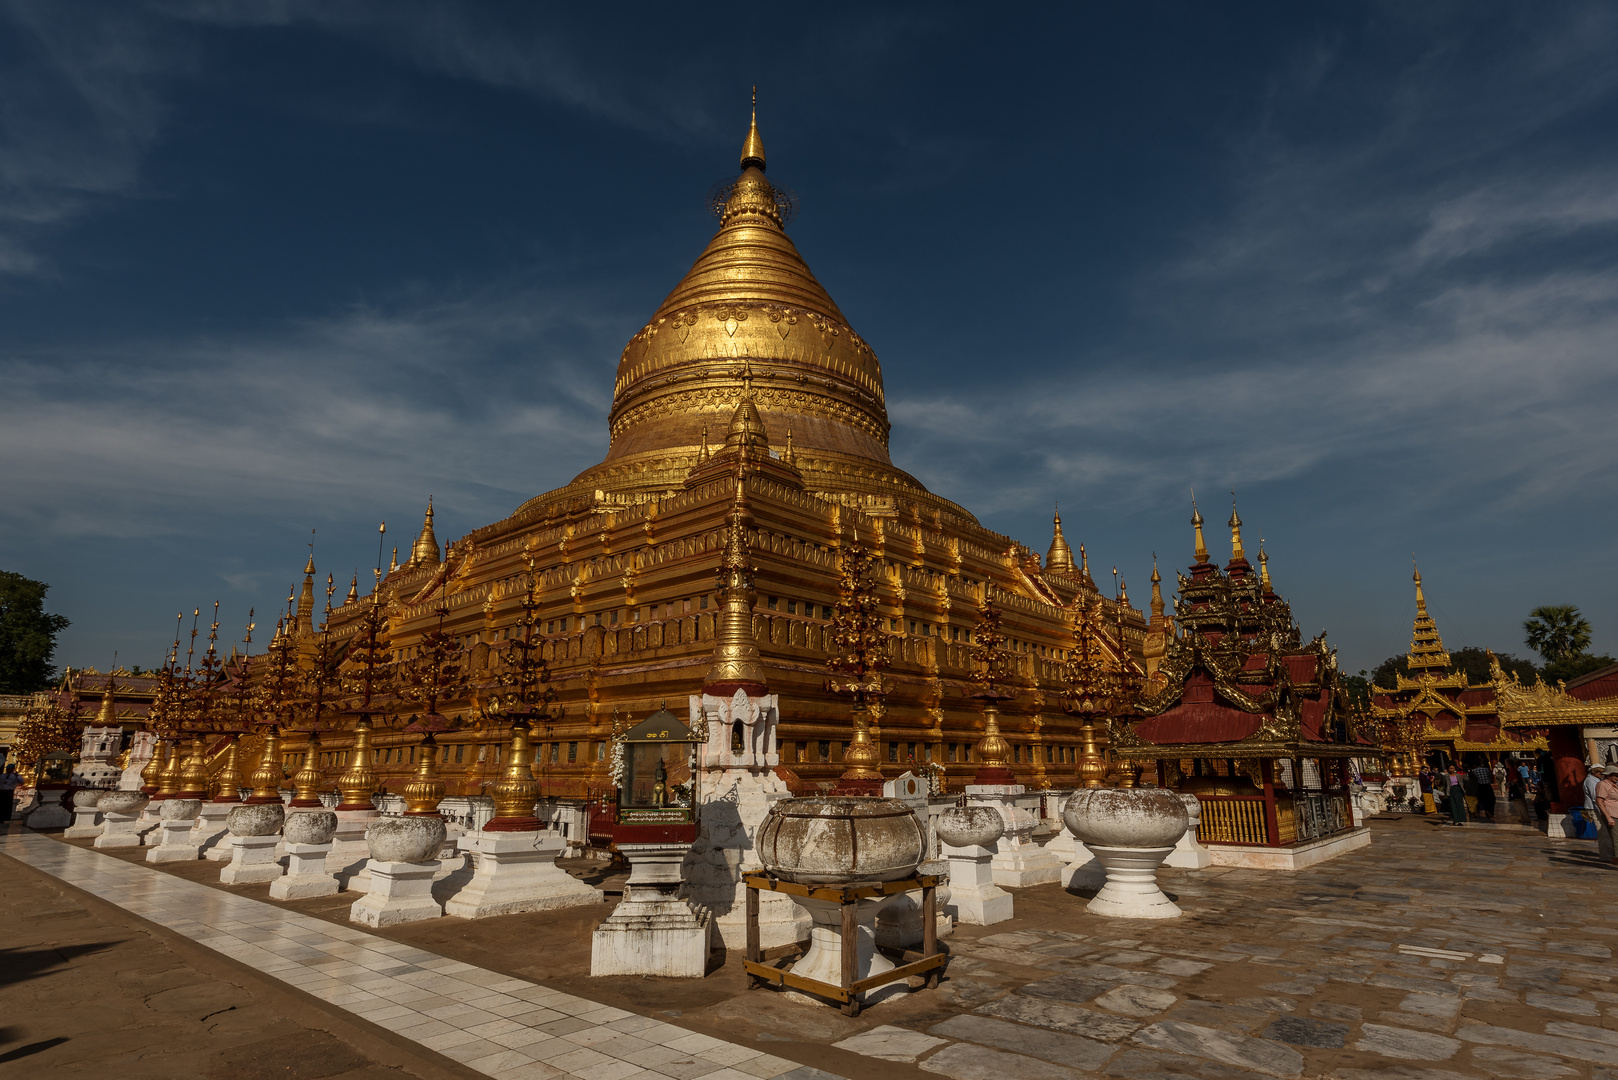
1227	820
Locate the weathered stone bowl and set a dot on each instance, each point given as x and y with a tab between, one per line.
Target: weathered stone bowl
179	809
1126	817
255	819
405	839
122	802
87	798
310	827
970	826
829	840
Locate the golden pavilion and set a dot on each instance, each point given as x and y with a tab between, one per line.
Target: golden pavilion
747	384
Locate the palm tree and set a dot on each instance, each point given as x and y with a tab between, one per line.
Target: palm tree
1557	632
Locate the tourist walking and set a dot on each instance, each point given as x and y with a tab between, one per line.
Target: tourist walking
1457	796
10	781
1483	778
1425	780
1606	800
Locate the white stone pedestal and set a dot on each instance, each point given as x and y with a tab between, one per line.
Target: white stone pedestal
400	892
118	831
149	819
1131	890
1018	861
735	802
1187	853
974	898
87	821
210	838
899	924
49	813
824	960
655	930
1065	846
252	859
350	854
306	874
173	843
517	871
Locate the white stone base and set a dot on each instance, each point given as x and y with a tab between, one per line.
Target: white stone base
1021	865
657	935
1131	890
306	874
899	924
515	874
824	960
735	802
400	892
1296	857
974	898
50	813
1188	854
148	823
1065	846
349	853
252	860
1084	872
86	825
173	843
118	831
209	835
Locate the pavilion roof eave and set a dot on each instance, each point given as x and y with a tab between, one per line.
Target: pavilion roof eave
1292	748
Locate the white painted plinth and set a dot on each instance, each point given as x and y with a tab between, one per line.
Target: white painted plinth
824	960
1131	890
1187	853
974	898
86	825
1018	862
1296	857
147	826
349	852
49	813
173	842
899	924
1065	846
517	871
306	874
400	892
118	831
735	801
252	859
209	836
1084	872
655	930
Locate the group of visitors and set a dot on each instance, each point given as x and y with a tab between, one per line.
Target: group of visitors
1446	790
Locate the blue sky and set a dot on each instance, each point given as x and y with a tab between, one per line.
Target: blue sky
272	267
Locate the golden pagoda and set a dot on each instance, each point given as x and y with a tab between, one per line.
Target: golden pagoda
748	344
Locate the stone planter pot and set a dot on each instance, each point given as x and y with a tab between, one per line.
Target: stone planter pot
88	798
179	809
970	826
406	839
1130	831
122	802
310	827
255	819
832	840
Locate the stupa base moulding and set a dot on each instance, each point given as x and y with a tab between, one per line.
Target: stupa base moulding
515	872
1296	857
400	892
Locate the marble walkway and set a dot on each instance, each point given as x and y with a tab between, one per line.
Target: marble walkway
499	1026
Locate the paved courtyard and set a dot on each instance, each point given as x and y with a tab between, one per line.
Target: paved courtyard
1437	953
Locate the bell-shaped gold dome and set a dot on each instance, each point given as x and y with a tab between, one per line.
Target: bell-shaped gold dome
750	304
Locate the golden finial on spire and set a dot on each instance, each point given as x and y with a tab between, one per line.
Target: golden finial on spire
789	456
1196	523
425	550
702	455
1421	598
1157	592
1060	557
353	596
1235	524
753	148
1263	565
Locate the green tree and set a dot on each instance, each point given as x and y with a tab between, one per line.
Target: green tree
1558	632
1574	666
1385	673
27	635
1474	662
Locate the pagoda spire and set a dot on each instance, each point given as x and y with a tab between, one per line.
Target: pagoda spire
1264	568
753	148
305	623
1060	558
353	590
736	663
425	551
1201	553
1157	593
1238	567
1427	653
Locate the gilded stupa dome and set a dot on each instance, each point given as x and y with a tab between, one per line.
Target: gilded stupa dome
750	307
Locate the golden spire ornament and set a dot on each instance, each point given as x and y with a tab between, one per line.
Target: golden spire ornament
1196	523
856	665
1235	523
736	661
992	751
753	148
425	790
1059	559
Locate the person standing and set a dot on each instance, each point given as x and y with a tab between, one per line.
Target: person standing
1484	780
10	781
1606	800
1457	796
1425	780
1592	780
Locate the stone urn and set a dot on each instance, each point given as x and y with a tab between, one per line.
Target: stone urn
835	840
88	798
970	826
122	802
839	840
179	809
1130	831
255	819
414	839
310	827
